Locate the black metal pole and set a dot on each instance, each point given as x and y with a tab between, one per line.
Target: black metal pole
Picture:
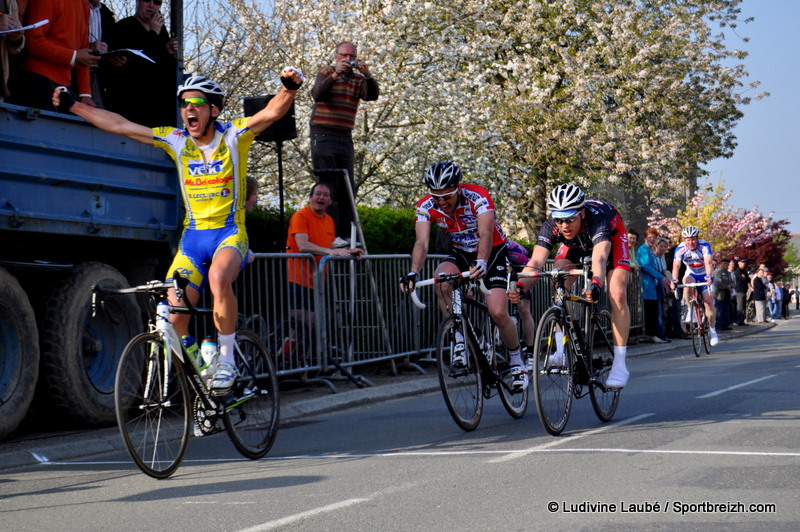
279	150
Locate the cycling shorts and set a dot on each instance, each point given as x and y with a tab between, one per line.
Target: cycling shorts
496	267
698	278
197	250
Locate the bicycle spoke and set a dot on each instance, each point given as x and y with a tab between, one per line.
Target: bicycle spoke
461	387
153	413
252	409
552	381
601	346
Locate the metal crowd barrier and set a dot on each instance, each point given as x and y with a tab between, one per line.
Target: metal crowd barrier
360	316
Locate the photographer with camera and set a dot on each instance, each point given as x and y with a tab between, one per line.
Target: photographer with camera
337	91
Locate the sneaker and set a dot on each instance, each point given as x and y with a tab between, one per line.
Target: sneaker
657	340
458	359
618	376
340	242
556	359
713	337
223	379
520	378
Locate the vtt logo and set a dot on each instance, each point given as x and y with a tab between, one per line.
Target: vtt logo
469	219
200	168
225	192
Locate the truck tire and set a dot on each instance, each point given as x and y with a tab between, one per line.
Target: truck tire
19	353
80	353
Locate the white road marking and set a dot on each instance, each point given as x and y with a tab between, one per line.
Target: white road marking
559	441
729	388
290	519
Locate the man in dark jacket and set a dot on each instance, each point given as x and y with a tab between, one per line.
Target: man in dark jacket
742	283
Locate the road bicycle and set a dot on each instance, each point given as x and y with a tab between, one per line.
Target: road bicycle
486	370
588	353
698	321
162	398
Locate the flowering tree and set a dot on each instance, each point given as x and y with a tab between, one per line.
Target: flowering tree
748	234
524	94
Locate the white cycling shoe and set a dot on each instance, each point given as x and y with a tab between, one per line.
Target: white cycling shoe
520	378
714	339
223	379
618	376
556	359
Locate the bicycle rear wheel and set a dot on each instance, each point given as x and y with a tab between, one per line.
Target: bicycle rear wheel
252	407
552	384
601	354
514	401
154	416
461	387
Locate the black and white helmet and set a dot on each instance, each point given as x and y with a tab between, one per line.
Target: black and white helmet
443	175
690	231
207	86
565	200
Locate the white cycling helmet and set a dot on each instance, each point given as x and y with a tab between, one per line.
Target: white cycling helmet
441	175
565	201
207	86
690	231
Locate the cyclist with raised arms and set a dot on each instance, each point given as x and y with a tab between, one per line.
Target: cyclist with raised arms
211	158
585	227
466	213
696	255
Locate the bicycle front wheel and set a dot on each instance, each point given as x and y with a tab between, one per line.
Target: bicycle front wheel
552	378
252	407
601	354
153	407
461	387
694	327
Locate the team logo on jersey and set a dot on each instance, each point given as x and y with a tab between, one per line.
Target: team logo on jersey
225	192
199	168
468	219
202	182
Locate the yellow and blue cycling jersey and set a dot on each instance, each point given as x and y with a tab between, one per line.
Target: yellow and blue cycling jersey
214	194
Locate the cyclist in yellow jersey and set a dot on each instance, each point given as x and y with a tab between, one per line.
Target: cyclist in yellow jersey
211	159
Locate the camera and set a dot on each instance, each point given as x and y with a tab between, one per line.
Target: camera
353	63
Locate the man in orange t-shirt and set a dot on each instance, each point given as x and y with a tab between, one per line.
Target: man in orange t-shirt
311	230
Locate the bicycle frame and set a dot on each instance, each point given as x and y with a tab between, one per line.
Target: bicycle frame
465	384
559	375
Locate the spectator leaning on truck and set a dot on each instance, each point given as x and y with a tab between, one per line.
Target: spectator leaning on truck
211	159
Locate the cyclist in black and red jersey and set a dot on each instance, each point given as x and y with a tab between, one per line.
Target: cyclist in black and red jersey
584	227
466	214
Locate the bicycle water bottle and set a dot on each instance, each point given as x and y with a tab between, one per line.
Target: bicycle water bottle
210	354
193	350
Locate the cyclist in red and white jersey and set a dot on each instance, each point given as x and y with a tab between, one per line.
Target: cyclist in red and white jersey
584	227
696	254
466	214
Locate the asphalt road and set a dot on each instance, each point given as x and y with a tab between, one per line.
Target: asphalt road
695	444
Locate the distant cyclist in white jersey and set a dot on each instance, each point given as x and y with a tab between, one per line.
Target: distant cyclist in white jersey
696	255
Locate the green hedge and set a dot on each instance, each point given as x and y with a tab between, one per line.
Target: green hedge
388	231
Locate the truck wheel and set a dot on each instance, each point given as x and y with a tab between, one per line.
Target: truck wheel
19	353
80	352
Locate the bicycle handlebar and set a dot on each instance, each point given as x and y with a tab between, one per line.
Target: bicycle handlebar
688	285
443	278
555	274
177	282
